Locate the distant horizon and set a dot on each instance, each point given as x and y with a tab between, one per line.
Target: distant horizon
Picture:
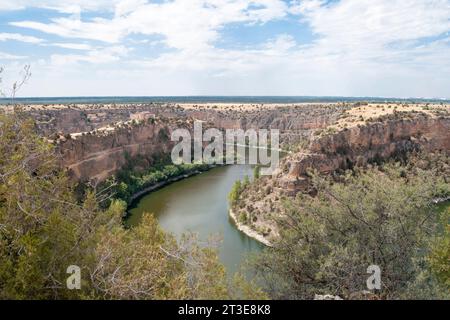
213	99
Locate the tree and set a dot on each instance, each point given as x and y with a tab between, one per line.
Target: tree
245	181
440	255
40	222
256	172
17	85
44	230
382	217
233	196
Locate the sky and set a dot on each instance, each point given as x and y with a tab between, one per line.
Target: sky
378	48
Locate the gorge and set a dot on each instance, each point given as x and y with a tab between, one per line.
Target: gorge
94	142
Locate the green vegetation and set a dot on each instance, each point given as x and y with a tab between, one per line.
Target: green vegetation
44	229
256	172
382	216
233	196
245	181
237	189
243	218
129	181
440	256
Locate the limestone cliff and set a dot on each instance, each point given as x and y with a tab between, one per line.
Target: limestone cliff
100	152
91	153
375	141
97	156
372	142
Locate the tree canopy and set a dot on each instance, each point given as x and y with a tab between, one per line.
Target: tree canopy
44	229
381	216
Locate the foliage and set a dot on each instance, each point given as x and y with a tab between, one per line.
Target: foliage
245	181
256	172
233	196
382	216
440	255
128	181
243	218
44	230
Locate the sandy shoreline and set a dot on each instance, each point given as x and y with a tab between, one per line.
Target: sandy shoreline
248	231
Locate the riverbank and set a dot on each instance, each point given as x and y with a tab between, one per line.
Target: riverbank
441	203
249	232
129	185
134	197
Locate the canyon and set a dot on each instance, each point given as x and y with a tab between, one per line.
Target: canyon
95	141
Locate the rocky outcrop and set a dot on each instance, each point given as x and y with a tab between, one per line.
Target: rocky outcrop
361	145
376	141
84	118
96	157
248	230
97	154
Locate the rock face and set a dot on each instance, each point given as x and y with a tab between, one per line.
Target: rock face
285	119
96	157
388	137
73	119
361	145
92	156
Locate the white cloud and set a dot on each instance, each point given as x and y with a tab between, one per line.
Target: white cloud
184	24
101	29
282	43
68	6
8	56
361	47
74	46
366	25
19	37
97	56
125	7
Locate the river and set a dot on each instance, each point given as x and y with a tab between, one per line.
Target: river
199	204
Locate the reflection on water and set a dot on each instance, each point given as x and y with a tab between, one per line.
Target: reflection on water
199	204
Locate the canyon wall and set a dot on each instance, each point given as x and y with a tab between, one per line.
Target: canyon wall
360	145
335	150
98	155
91	155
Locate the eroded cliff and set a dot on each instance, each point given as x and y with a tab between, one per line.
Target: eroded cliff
97	156
144	131
392	135
363	144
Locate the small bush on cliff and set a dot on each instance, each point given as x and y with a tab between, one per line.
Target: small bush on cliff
256	172
233	196
243	218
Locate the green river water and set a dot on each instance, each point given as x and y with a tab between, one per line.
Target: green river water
199	204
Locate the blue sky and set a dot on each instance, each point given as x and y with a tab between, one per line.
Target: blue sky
388	48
